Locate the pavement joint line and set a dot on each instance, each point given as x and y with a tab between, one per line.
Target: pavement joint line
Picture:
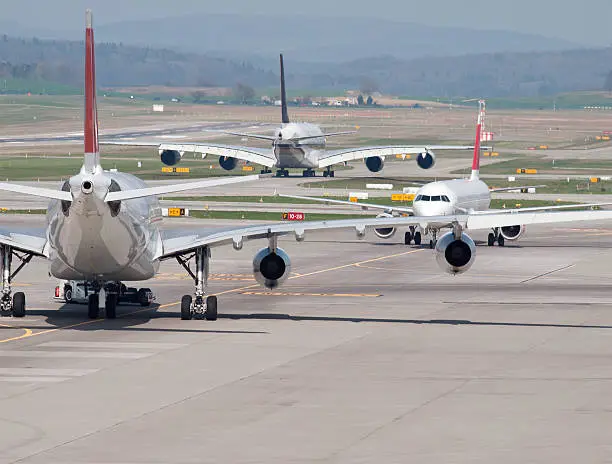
29	333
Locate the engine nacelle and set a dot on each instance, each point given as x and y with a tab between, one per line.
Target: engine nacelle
375	163
512	232
426	160
271	269
385	232
227	162
455	256
170	157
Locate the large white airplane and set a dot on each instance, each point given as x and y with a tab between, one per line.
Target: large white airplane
104	227
456	196
294	145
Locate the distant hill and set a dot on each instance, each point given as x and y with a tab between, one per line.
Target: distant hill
318	38
499	74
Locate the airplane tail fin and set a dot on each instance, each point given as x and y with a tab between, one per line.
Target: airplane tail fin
91	161
476	161
285	113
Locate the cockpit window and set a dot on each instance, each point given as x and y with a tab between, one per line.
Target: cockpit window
418	198
436	198
445	198
425	198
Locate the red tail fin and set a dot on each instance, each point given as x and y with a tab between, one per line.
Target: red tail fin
92	151
479	125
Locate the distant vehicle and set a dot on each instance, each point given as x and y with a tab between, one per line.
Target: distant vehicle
78	291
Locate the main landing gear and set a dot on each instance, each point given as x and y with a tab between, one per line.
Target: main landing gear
434	239
12	304
411	235
266	171
495	236
309	173
282	173
329	173
200	305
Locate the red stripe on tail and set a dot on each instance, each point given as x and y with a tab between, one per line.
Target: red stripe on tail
91	113
476	160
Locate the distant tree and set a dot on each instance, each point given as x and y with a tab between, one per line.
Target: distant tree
608	82
370	101
244	93
360	100
368	86
197	96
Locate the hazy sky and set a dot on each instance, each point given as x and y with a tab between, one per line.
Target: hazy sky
584	21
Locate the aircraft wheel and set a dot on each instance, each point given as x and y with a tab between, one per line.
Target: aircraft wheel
93	306
491	239
19	308
417	238
211	308
186	314
68	294
110	306
407	238
501	241
325	173
431	244
332	174
143	297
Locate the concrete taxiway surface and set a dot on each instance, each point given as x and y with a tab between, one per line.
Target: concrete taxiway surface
369	353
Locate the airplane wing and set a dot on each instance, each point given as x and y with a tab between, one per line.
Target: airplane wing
332	157
189	240
30	240
511	189
363	206
532	209
262	156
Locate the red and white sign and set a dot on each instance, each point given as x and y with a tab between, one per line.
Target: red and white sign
486	137
293	216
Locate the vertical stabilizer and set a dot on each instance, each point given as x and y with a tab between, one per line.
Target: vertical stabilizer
92	150
285	113
479	126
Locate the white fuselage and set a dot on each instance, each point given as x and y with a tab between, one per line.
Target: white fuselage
90	239
448	197
290	152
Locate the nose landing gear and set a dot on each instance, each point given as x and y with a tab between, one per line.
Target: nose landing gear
199	306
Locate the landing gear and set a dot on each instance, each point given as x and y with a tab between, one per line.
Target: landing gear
328	172
12	305
309	173
434	240
198	306
93	306
417	238
282	173
495	236
407	238
266	171
110	305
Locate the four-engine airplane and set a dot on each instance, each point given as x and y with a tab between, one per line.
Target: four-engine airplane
294	145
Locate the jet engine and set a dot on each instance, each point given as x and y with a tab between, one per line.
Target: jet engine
270	268
375	163
426	160
384	232
228	163
170	157
512	232
455	256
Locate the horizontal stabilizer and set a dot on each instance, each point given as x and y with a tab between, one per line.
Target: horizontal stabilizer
331	134
164	189
253	136
36	191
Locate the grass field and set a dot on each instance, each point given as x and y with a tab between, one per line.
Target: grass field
574	165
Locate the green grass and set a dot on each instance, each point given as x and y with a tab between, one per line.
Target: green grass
509	167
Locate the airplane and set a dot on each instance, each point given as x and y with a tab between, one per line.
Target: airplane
294	145
456	196
103	227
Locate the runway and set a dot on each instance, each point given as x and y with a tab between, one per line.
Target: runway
369	353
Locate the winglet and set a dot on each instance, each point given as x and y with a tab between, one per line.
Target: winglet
476	160
285	113
92	150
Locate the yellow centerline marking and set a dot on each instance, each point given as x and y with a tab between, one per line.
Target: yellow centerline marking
29	333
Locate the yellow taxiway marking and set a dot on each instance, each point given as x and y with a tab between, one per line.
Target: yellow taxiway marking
349	295
29	333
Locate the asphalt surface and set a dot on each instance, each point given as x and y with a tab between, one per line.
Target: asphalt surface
369	353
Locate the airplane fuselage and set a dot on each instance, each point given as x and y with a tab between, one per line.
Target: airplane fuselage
448	197
290	152
90	239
